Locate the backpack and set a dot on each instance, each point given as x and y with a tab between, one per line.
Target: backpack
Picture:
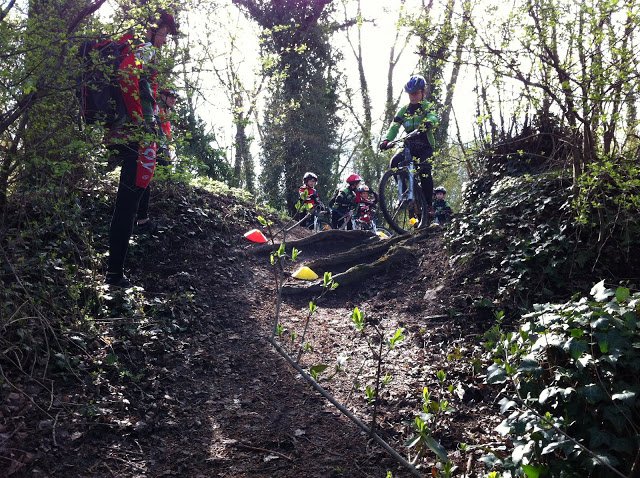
98	88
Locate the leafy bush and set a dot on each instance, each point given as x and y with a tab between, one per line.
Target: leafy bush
573	371
515	233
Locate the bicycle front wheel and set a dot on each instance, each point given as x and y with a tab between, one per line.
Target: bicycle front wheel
401	213
322	223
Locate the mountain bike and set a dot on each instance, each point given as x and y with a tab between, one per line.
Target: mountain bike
362	222
365	219
401	198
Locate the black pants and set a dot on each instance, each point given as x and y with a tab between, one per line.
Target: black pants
143	208
124	212
420	152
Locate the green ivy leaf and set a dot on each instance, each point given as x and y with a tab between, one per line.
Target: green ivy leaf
496	374
316	370
436	448
593	393
506	404
622	294
626	396
533	471
600	293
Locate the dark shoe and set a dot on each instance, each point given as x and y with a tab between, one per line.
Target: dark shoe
117	280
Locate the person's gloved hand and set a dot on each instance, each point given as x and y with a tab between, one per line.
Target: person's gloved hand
384	145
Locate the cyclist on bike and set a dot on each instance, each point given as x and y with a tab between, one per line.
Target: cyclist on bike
442	211
344	202
308	196
418	115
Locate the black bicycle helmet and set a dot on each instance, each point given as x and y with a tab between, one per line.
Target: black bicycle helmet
309	175
440	189
415	83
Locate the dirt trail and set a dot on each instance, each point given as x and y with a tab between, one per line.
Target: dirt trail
197	391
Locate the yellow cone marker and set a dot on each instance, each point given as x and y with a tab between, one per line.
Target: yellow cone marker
255	235
413	221
304	273
382	235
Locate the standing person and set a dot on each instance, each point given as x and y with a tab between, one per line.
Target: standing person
418	115
165	105
133	141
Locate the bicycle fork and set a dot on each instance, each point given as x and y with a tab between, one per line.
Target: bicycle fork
408	159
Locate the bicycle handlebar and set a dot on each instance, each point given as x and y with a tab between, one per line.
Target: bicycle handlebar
413	134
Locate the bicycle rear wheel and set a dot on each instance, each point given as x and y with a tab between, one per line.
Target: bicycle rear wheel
401	214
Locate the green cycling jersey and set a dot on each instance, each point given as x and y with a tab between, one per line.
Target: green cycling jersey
414	116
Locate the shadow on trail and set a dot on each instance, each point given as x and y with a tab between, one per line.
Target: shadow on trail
215	399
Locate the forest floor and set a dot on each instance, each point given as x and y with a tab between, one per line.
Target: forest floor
187	385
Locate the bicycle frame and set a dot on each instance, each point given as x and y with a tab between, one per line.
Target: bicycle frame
408	159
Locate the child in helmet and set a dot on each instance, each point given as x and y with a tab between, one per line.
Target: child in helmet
442	211
307	192
365	205
418	115
308	196
345	201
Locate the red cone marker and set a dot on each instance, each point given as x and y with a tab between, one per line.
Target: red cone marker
255	235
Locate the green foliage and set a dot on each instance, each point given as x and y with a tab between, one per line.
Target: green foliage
609	203
196	150
574	369
357	318
426	423
516	231
528	234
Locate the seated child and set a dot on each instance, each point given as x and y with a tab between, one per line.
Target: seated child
442	211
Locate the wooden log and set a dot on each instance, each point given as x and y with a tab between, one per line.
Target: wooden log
357	273
333	236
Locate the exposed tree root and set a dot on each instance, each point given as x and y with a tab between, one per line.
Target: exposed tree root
355	254
394	256
332	236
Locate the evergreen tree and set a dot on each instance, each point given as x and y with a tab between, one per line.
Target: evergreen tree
300	122
195	148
